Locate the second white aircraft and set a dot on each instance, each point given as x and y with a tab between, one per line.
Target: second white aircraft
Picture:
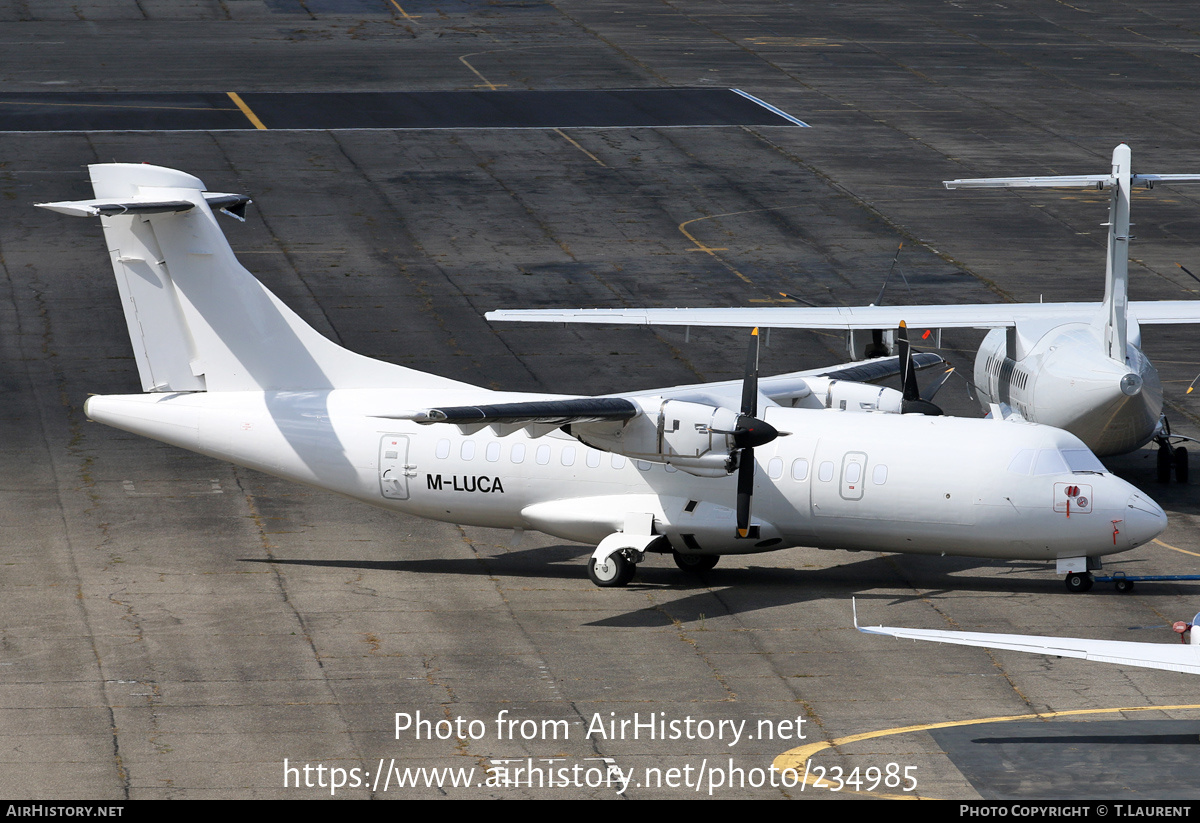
1077	366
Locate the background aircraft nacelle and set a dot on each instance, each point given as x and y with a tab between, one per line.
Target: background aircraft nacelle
848	395
693	437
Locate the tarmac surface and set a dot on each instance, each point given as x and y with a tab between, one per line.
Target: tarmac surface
174	627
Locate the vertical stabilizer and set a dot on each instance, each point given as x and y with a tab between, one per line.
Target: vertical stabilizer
1116	283
1120	181
197	319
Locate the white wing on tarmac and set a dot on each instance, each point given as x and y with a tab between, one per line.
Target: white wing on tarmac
969	316
1175	658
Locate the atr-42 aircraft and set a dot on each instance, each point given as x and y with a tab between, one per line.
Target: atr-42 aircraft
1172	657
1077	366
231	372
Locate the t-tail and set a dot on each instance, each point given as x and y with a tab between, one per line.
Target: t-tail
1119	182
197	319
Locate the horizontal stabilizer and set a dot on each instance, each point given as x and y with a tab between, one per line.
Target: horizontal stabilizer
1068	181
107	208
232	204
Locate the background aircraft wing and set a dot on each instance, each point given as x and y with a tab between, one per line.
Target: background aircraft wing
976	316
1152	312
1176	658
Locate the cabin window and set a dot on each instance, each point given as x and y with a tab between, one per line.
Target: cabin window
493	452
800	469
568	456
670	469
853	472
593	458
879	474
642	465
443	449
826	471
542	455
618	461
517	455
467	452
775	468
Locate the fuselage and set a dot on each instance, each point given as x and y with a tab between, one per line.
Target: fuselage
1063	378
872	481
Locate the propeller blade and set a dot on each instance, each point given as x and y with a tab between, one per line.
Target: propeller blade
745	490
932	390
750	381
912	402
908	375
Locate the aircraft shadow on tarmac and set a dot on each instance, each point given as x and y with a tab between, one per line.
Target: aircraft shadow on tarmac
732	591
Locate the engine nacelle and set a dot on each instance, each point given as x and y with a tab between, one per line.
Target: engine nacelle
689	436
848	395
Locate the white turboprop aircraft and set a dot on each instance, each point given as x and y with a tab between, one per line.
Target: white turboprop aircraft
1076	366
1176	658
231	372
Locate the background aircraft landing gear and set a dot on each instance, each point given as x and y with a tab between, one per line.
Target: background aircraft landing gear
613	572
1170	457
695	563
1079	581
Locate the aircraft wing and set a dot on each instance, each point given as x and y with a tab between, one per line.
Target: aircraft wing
977	316
968	316
1156	312
1176	658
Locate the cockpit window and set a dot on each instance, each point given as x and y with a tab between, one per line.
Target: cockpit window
1082	460
1049	461
1022	462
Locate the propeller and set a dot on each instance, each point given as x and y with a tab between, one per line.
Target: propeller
748	432
913	402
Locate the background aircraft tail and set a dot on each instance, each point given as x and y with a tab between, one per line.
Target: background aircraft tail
1119	182
197	319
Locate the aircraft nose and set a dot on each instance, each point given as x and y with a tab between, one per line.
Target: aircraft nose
1144	519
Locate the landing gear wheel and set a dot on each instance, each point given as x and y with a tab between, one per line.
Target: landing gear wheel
1124	586
1164	464
695	563
1181	465
1077	582
614	572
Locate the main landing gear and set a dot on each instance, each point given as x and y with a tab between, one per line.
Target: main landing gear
695	563
1170	457
612	572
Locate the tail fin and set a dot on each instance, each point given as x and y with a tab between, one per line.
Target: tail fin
1120	180
197	319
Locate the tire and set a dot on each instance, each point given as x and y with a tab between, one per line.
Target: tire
617	571
1077	582
695	563
1181	465
1164	464
1124	586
